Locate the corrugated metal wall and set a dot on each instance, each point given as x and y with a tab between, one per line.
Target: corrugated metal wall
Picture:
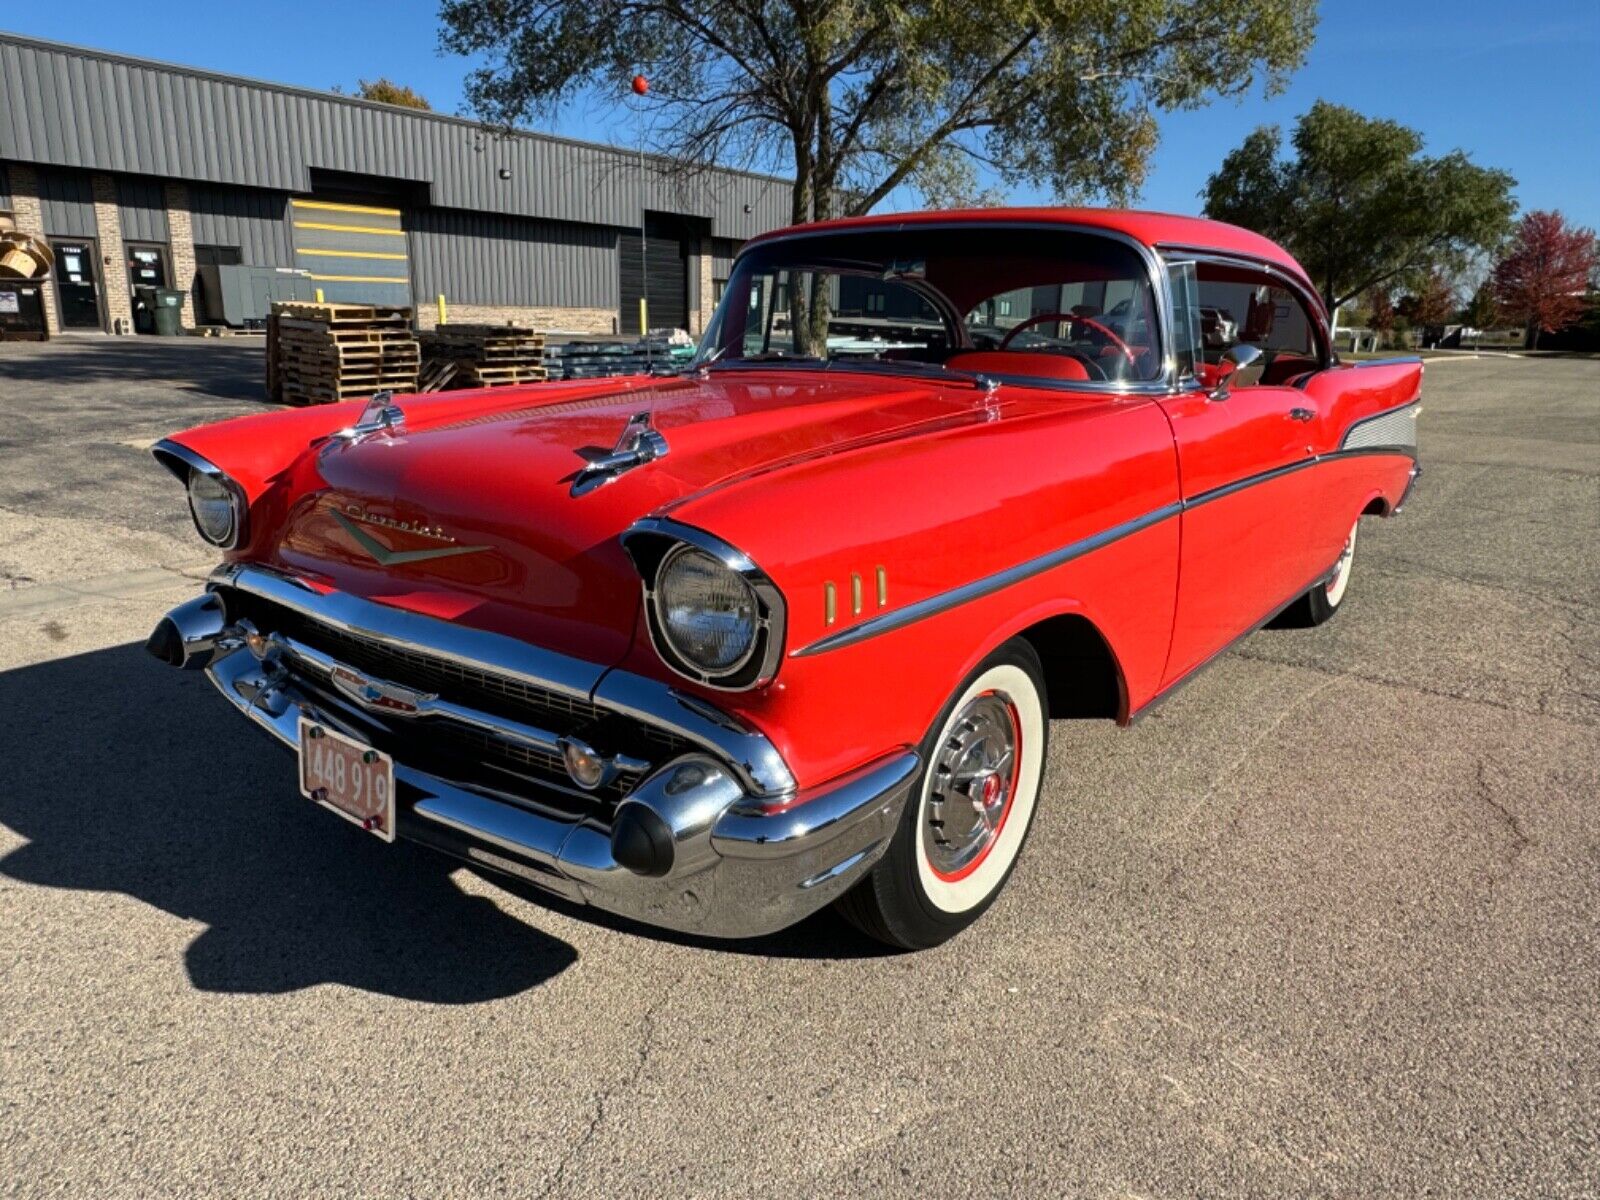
142	206
476	258
67	198
356	253
256	222
64	105
723	251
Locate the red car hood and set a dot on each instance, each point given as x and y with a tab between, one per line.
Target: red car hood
469	515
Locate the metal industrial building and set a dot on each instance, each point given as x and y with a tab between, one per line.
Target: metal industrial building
137	171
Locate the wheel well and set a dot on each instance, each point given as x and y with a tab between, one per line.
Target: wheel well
1080	672
1376	507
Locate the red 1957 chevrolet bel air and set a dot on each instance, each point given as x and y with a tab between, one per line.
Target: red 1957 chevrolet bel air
714	650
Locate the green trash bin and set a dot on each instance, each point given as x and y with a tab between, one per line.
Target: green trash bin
168	311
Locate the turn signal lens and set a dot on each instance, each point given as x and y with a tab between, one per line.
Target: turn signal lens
211	502
588	769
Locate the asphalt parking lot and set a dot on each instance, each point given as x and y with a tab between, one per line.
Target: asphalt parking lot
1325	925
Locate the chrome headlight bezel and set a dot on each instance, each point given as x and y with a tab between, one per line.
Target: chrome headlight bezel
652	544
188	466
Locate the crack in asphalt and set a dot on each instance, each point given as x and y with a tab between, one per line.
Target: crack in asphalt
1410	686
1509	822
603	1097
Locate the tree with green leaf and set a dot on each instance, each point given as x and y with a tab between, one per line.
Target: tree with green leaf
386	91
859	98
1359	204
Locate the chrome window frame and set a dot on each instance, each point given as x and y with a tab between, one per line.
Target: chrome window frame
1309	300
1164	384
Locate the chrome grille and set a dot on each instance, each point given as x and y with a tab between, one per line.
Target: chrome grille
471	687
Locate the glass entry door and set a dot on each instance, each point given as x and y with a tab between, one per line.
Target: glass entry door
78	283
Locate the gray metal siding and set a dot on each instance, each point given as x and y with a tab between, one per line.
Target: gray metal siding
256	222
723	252
67	200
142	208
473	258
65	105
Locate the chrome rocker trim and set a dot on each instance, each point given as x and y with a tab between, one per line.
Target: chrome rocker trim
729	864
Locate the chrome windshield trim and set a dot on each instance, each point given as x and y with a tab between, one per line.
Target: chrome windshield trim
1155	270
752	756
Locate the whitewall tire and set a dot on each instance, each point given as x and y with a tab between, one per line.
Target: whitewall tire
965	824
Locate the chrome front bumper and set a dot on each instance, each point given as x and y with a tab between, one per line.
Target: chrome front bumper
731	860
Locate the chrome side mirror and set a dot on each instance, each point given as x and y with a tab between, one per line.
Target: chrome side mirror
1241	367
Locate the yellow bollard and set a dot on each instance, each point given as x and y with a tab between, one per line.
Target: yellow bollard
442	317
319	295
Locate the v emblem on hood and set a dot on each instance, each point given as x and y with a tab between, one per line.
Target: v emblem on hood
386	557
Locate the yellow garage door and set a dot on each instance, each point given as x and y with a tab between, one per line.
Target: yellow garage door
356	253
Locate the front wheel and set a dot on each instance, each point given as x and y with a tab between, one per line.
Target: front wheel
964	825
1323	600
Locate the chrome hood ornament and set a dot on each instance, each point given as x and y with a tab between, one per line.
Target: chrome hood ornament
640	443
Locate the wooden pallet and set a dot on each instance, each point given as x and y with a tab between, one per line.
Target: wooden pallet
324	353
343	314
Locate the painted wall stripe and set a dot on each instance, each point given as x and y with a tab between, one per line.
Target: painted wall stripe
350	228
330	206
351	253
396	279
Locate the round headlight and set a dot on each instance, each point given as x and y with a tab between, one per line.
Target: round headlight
212	505
708	613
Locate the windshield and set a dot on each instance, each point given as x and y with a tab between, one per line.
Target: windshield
1027	302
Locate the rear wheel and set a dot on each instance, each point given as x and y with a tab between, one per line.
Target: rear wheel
1322	601
964	825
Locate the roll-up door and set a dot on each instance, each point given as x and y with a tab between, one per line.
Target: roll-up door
662	265
355	253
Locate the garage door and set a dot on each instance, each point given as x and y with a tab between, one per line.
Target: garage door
355	253
661	265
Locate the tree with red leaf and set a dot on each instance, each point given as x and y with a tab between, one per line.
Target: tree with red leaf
1541	281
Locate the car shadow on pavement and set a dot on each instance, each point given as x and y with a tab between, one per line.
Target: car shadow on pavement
234	370
126	776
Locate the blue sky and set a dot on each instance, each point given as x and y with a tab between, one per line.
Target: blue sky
1512	84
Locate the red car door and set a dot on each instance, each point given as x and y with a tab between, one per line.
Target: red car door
1243	466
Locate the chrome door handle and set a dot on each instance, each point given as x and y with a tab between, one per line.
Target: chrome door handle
1301	414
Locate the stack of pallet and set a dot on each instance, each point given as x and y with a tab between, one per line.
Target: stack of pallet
325	353
462	356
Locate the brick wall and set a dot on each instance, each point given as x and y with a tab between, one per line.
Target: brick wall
560	320
29	214
704	303
180	234
113	256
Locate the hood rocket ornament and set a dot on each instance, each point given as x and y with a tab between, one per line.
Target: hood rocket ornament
640	443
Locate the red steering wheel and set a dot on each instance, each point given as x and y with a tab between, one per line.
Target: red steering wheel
1121	345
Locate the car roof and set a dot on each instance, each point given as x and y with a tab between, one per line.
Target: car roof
1153	229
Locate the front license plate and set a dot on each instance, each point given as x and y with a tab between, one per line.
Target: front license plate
354	780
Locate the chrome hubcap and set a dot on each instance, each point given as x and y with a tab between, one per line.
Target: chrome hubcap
974	778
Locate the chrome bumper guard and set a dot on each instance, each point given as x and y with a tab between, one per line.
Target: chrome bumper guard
699	846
